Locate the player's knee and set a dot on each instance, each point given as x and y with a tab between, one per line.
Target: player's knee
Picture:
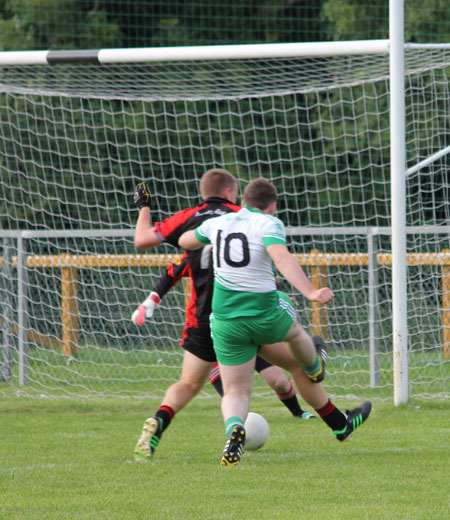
192	386
282	386
238	389
276	380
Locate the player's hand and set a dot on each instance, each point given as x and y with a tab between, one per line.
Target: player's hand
146	309
323	295
142	195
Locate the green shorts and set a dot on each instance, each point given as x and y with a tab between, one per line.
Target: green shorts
236	340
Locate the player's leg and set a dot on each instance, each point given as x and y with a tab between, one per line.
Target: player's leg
279	354
193	377
315	394
236	353
237	386
237	383
283	387
306	352
277	328
310	355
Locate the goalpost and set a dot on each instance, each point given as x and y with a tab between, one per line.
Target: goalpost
81	128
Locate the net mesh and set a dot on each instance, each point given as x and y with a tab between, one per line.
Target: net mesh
77	138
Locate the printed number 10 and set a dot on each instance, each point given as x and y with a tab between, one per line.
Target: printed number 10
227	249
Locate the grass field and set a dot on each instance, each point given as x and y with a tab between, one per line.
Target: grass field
72	459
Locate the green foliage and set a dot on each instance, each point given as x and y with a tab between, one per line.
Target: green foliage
68	24
329	150
203	22
46	24
71	24
362	20
427	22
356	19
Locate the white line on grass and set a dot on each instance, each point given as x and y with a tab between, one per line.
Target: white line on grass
262	454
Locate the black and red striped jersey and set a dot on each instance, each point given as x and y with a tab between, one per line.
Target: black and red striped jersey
195	264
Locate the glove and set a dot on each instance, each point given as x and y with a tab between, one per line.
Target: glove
142	195
146	309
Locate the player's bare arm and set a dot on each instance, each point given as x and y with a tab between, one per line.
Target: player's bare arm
294	274
145	236
189	241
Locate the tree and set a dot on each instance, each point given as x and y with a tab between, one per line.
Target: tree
55	24
361	20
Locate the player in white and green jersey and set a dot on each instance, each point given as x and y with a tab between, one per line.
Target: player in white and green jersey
244	284
248	311
243	271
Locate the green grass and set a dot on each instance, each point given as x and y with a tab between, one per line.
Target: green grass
72	459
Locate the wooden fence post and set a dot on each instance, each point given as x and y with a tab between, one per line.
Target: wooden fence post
69	307
319	314
446	307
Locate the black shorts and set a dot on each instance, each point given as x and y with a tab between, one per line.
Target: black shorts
199	343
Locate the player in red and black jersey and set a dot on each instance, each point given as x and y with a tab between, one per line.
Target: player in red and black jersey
219	190
219	196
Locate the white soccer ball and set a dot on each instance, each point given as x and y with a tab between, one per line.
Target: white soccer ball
256	432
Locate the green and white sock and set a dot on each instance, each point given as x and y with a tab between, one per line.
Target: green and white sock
231	423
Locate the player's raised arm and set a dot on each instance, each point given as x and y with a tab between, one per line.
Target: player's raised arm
145	236
294	274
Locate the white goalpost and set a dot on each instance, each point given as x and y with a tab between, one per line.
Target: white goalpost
354	136
398	204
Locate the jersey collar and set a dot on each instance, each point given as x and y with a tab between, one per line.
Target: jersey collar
253	210
217	199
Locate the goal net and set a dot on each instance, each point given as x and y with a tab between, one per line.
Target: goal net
77	138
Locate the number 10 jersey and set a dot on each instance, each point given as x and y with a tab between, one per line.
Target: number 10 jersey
244	279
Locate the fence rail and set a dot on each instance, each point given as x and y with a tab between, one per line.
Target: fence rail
16	257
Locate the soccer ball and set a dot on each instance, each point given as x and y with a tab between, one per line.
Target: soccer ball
256	431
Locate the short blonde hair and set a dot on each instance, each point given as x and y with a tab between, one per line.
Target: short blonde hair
215	181
260	194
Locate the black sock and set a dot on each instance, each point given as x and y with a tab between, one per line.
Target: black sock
289	399
333	417
293	406
165	415
217	384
